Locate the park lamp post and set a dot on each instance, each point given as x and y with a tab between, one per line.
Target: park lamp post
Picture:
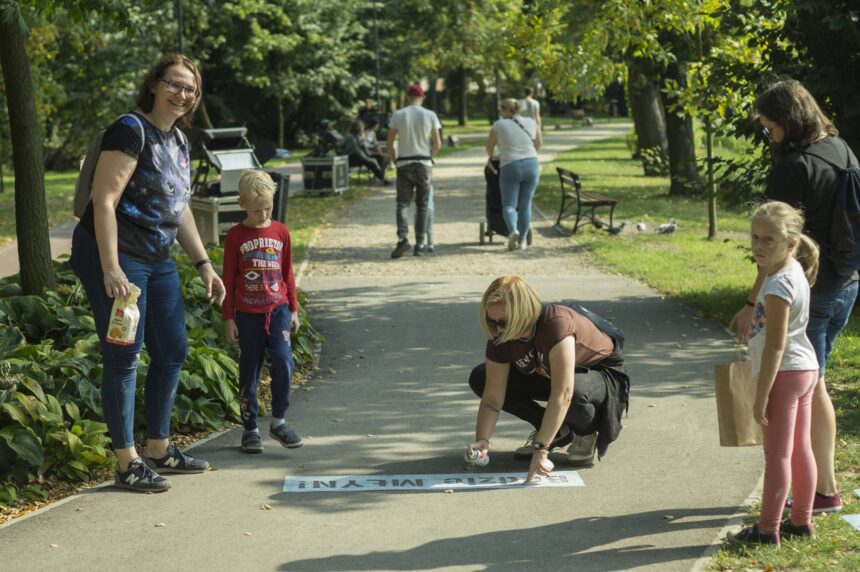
376	50
180	26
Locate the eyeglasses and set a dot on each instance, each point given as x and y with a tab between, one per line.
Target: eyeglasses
766	132
496	324
176	88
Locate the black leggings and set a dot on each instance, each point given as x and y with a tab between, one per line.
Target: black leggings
524	391
372	164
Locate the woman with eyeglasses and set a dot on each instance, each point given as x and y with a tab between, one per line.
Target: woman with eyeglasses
558	354
808	157
139	207
518	139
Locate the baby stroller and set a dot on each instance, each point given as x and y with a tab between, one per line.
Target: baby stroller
494	223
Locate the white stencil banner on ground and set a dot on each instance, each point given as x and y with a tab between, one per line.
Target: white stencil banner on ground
853	520
428	483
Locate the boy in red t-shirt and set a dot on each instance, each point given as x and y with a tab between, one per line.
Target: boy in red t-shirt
261	310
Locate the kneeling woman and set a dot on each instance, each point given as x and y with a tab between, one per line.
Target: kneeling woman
555	354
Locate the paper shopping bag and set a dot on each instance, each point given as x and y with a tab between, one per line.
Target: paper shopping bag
735	389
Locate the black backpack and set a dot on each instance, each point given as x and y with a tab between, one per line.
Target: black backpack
844	249
601	324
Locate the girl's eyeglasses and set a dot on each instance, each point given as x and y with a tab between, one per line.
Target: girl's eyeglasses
176	88
766	132
496	324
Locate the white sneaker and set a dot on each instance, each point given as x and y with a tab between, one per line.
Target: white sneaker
563	438
523	245
513	239
582	449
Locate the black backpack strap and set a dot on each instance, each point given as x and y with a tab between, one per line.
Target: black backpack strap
828	161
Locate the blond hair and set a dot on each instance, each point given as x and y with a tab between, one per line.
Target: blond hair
521	302
511	105
255	185
789	222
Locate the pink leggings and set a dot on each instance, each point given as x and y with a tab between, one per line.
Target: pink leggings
788	449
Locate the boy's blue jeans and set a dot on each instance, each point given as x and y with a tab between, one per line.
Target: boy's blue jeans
161	327
518	181
828	314
254	340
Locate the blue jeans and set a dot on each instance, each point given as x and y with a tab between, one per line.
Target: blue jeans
518	181
256	335
828	313
161	327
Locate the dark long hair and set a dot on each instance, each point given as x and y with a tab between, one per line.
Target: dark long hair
790	105
146	97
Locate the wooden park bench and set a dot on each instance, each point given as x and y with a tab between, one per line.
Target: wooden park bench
584	203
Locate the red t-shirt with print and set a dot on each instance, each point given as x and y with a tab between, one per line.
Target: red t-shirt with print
258	270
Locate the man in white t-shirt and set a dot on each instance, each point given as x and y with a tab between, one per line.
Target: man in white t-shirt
417	133
530	107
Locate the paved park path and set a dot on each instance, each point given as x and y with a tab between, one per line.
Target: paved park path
392	398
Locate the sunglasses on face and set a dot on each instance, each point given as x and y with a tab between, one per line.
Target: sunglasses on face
176	88
496	324
766	132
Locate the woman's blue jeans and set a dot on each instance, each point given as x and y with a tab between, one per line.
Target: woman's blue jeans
518	181
161	327
829	312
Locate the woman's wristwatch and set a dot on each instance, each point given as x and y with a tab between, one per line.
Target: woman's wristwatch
538	446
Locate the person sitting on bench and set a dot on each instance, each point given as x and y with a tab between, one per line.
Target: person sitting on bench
353	147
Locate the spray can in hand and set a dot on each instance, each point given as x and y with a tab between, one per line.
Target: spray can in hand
475	457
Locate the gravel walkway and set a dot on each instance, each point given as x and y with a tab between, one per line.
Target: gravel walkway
360	242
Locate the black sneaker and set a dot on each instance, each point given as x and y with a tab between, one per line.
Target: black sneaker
788	529
175	461
429	249
752	535
419	250
140	478
284	435
562	439
401	249
251	442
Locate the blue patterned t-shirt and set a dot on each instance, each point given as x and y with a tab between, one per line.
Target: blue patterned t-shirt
150	209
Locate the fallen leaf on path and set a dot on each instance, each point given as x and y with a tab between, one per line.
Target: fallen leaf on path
652	405
338	419
266	507
54	545
161	525
449	492
247	534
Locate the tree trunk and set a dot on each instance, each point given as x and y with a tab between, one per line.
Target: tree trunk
683	171
433	95
648	119
280	103
31	212
204	115
463	116
712	185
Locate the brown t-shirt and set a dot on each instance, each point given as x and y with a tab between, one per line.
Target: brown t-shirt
556	322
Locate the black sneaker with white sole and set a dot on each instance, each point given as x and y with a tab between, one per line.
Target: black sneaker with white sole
140	478
284	435
175	461
251	442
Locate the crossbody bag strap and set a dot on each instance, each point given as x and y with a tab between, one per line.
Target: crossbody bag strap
523	127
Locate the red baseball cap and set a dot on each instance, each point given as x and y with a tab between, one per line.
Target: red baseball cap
415	90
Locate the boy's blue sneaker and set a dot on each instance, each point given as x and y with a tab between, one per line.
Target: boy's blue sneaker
175	461
284	435
140	478
251	442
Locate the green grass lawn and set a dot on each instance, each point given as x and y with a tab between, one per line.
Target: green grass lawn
714	276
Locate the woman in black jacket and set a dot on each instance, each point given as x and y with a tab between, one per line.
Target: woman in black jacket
807	150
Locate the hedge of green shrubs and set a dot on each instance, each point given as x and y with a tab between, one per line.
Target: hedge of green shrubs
50	376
